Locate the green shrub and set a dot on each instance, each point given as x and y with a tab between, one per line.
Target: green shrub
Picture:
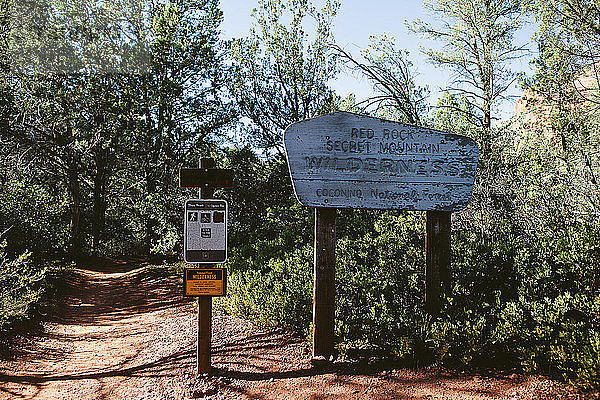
379	295
514	303
277	296
22	285
33	218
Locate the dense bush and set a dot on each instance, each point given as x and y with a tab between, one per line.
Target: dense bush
378	283
22	283
33	217
277	295
265	220
32	237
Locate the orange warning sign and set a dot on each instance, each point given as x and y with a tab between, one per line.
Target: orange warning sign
205	282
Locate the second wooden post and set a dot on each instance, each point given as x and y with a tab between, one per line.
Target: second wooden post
437	259
324	283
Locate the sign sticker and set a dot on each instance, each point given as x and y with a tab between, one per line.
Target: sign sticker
205	231
205	282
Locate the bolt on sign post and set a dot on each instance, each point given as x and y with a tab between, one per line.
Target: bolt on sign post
205	242
345	160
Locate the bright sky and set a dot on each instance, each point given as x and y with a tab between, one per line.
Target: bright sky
355	22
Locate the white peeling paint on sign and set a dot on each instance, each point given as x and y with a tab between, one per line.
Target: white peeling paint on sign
345	160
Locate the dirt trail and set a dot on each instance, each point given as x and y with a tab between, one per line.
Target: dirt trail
124	332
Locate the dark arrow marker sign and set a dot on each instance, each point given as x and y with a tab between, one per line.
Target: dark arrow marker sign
205	177
345	160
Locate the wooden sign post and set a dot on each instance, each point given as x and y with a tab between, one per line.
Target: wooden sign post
324	283
206	178
437	258
345	160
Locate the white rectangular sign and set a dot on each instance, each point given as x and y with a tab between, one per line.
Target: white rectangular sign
205	231
345	160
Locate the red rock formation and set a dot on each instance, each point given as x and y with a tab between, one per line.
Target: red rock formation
534	110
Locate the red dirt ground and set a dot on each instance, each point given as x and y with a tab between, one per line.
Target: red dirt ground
123	331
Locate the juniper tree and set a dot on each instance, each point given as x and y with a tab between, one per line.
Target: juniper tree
280	71
477	45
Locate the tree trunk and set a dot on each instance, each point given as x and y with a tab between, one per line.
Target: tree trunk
154	148
75	245
150	222
99	208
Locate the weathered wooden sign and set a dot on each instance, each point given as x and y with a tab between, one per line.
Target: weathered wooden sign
345	160
205	231
205	282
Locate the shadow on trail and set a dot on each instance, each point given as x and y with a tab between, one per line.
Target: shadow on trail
154	368
344	374
261	364
97	296
254	358
111	265
270	365
103	293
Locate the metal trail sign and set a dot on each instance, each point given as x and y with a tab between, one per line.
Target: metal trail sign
206	221
345	160
205	231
